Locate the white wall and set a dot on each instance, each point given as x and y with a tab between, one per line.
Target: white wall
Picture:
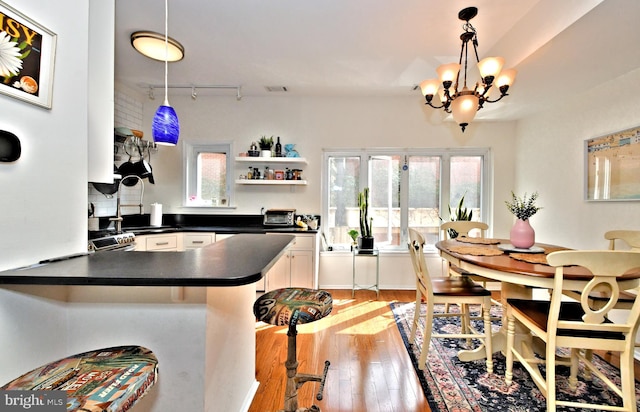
550	160
314	124
44	193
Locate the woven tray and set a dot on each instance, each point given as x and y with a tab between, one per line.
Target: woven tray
478	240
475	250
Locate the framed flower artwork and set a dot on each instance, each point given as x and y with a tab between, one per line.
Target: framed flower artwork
27	55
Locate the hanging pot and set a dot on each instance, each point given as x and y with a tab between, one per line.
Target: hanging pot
151	179
108	189
142	168
128	168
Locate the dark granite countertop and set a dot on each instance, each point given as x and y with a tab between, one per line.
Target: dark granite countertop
223	224
238	260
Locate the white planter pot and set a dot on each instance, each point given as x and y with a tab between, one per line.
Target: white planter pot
265	153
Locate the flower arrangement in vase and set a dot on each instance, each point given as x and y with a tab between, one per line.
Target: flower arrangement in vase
522	234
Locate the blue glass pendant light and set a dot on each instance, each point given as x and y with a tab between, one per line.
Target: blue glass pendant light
165	126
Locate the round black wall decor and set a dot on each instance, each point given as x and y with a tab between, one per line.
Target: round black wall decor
10	148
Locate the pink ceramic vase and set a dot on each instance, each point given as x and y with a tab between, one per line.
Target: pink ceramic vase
522	234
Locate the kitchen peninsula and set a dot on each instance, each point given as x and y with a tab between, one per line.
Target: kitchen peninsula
192	308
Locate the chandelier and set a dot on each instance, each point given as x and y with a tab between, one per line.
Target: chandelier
463	103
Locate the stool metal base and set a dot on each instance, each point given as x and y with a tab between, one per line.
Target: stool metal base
295	380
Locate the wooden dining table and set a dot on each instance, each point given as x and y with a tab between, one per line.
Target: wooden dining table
519	271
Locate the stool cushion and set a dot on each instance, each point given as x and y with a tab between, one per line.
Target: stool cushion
110	379
279	306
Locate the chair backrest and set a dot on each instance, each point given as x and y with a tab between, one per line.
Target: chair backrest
630	237
416	251
462	228
607	268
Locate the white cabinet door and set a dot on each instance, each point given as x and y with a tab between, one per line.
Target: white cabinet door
301	268
296	268
279	276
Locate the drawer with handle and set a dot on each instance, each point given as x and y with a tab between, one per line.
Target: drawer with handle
169	242
198	240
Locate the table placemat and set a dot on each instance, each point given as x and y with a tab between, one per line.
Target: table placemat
475	250
478	240
530	257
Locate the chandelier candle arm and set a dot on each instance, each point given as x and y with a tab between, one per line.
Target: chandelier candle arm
457	98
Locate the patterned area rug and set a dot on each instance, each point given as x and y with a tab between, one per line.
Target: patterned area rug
452	385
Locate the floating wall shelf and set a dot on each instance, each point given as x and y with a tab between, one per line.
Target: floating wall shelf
270	182
248	159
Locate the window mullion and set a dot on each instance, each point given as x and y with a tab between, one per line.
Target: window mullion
404	203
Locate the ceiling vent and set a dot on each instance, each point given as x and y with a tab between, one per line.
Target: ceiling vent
276	88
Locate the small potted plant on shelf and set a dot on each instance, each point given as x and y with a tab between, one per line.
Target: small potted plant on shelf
365	241
266	143
522	234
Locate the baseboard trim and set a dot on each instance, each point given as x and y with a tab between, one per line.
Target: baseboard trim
250	395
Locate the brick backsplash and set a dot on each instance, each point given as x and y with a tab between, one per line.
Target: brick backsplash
127	113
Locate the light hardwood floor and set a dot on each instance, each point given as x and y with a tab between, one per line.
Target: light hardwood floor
370	369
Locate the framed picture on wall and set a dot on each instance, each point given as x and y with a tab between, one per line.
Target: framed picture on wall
27	55
612	166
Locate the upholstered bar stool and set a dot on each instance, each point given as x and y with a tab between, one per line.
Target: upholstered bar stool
290	306
103	380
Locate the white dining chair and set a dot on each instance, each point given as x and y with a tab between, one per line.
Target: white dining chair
447	290
578	326
462	228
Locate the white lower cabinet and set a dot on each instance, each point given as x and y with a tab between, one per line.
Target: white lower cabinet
297	267
174	242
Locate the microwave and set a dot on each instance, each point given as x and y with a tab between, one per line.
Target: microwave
279	217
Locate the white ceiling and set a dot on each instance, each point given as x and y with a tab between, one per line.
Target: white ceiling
381	47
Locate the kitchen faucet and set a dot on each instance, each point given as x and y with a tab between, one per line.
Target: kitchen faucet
118	219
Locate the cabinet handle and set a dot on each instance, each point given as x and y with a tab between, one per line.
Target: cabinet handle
197	242
161	243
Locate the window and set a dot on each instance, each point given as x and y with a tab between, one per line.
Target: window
408	188
207	175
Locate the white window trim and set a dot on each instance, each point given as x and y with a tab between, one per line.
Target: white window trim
445	153
190	156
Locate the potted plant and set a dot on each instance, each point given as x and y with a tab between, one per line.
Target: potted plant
353	234
522	234
365	241
265	143
461	214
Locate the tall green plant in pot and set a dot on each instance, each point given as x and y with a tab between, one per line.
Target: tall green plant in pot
365	241
462	213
